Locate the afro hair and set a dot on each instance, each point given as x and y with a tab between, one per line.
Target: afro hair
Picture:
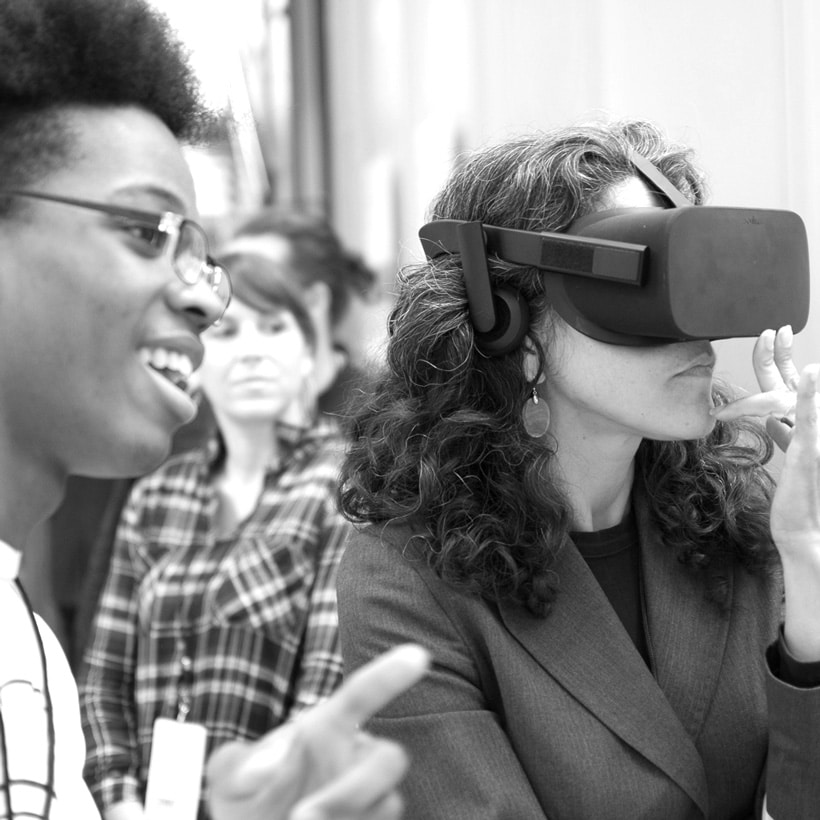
57	53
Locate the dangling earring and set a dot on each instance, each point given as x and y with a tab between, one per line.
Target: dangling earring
536	415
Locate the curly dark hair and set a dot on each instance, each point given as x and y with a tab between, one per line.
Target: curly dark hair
58	53
438	439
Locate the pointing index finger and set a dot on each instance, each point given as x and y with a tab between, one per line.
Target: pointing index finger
372	687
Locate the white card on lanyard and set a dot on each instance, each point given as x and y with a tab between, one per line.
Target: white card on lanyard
175	770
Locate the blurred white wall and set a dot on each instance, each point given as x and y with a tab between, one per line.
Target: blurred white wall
413	82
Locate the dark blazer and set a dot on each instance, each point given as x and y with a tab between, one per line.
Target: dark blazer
524	717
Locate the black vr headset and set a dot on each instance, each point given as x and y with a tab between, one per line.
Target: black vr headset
640	276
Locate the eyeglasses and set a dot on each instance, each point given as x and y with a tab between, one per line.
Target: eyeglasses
181	239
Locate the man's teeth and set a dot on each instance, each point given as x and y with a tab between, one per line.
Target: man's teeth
174	365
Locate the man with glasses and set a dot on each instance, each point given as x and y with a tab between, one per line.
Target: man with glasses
181	240
105	288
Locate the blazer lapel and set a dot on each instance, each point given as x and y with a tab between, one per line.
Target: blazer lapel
687	633
584	647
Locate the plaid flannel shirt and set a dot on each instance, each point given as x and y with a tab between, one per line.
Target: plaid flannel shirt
247	624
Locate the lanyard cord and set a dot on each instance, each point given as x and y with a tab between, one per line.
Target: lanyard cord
50	720
6	780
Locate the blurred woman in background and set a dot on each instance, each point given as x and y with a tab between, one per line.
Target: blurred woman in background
220	606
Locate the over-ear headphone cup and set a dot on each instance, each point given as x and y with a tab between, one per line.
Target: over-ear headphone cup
512	322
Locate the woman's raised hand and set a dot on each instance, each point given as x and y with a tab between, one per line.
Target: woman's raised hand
789	402
795	523
778	379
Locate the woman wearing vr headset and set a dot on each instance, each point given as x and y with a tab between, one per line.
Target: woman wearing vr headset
583	533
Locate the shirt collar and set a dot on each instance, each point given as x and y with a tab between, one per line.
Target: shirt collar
293	440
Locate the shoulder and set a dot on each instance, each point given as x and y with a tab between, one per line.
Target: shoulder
323	443
391	560
312	464
388	595
387	542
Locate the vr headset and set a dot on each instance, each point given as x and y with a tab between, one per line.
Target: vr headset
640	276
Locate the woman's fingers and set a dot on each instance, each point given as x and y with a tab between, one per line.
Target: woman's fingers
795	518
783	357
766	372
778	379
775	403
780	432
805	428
772	360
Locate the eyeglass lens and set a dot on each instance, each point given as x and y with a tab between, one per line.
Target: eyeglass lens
190	253
192	262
